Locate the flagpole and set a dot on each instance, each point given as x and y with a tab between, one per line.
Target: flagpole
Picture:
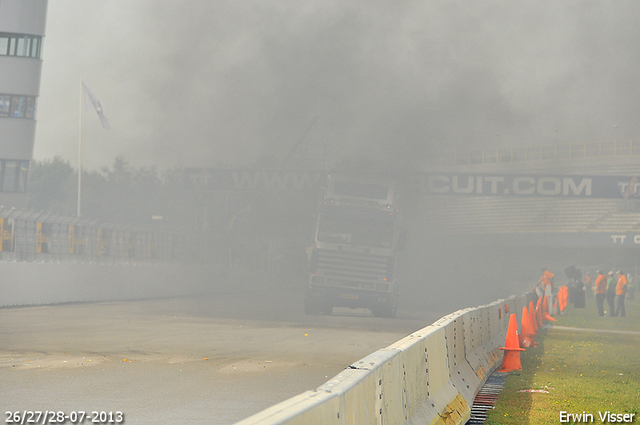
84	90
80	151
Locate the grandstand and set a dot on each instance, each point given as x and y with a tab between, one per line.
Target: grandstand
600	226
482	214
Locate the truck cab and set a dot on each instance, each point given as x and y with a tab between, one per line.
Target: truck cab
353	256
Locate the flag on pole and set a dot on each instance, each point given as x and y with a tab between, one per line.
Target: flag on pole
90	98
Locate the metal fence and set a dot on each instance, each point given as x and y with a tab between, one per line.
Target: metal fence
38	236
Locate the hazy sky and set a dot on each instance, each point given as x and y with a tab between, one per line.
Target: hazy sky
193	83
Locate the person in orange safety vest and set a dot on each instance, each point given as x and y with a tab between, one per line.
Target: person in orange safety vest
588	286
621	291
601	291
544	281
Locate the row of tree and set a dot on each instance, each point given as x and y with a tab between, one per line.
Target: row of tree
121	193
217	224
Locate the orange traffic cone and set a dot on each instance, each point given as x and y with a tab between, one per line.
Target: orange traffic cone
511	359
545	313
539	313
532	318
562	300
545	305
526	334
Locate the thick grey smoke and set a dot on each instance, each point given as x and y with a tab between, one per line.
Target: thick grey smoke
195	83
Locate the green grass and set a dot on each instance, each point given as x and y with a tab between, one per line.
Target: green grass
588	317
581	370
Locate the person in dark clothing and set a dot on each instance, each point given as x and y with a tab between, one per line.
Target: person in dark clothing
576	287
579	295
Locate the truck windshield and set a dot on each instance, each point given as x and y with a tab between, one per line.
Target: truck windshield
355	231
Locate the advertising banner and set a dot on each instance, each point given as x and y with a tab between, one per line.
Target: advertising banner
462	184
232	180
571	186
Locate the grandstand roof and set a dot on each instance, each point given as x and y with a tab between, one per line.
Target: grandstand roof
598	158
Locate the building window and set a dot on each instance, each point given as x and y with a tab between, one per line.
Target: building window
17	106
10	177
14	175
22	45
5	101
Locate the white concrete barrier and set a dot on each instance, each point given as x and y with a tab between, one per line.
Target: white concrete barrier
429	377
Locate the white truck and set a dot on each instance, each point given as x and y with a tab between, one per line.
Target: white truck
353	256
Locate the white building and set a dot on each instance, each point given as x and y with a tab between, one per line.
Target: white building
22	24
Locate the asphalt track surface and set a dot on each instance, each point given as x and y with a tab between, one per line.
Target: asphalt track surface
211	359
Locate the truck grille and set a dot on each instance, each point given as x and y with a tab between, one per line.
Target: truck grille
359	270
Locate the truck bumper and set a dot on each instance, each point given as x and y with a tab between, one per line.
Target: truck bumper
348	297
